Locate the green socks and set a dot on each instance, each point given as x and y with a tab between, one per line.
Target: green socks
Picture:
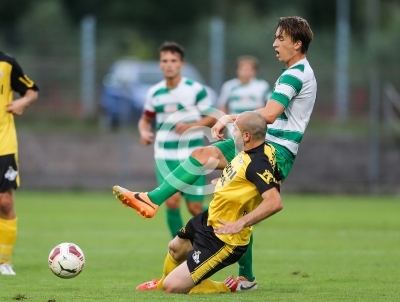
174	220
180	178
246	262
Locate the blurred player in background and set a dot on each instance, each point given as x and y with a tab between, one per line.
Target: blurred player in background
12	78
245	92
288	111
179	105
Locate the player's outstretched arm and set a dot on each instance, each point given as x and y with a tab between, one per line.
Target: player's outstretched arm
270	205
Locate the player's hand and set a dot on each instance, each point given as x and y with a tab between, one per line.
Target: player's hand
17	106
146	138
217	131
214	181
228	227
180	127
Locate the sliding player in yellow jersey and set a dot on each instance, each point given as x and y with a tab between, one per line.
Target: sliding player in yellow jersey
246	193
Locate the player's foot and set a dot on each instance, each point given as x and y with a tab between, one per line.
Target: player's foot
245	284
231	283
138	201
6	269
150	285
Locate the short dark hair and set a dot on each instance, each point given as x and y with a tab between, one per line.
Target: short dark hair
247	58
172	47
298	29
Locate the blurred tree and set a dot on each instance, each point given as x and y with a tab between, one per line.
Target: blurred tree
10	13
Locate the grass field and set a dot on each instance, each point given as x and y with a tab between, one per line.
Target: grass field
319	248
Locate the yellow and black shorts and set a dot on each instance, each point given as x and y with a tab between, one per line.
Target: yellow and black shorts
9	178
209	254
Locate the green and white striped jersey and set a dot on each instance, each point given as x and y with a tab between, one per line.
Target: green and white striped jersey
239	97
186	103
296	90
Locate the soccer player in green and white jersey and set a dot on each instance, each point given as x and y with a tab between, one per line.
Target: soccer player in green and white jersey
246	92
287	112
177	104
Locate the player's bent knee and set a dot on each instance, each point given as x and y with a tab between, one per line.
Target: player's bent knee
178	248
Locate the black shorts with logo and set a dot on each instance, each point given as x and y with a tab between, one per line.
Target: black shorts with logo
209	254
8	173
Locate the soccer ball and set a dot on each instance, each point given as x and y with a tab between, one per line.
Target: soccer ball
66	260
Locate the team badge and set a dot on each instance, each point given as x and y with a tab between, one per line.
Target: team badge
267	176
196	257
11	174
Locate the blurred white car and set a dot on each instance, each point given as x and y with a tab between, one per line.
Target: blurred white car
126	84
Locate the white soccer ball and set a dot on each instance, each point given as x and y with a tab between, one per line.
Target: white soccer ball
66	260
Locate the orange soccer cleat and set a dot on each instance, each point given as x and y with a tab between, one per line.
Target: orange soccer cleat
149	285
138	201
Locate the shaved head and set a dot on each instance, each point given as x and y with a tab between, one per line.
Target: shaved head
254	123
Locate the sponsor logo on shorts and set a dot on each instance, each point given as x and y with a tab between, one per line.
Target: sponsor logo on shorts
196	257
11	174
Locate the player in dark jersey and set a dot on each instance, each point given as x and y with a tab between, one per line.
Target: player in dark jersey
12	78
246	193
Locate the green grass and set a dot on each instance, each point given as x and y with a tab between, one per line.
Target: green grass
319	248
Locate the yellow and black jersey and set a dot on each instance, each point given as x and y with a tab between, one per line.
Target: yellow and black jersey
12	78
239	189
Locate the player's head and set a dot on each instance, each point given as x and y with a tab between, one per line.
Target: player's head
171	59
172	47
293	36
297	29
249	130
246	68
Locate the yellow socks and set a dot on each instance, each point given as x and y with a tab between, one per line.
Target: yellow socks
208	286
169	265
8	235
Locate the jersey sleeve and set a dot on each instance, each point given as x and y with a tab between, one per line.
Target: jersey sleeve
262	175
288	86
148	108
19	81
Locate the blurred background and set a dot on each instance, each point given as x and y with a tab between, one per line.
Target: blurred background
93	60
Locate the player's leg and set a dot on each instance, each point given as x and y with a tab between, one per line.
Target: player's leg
177	252
215	156
246	266
9	181
178	249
